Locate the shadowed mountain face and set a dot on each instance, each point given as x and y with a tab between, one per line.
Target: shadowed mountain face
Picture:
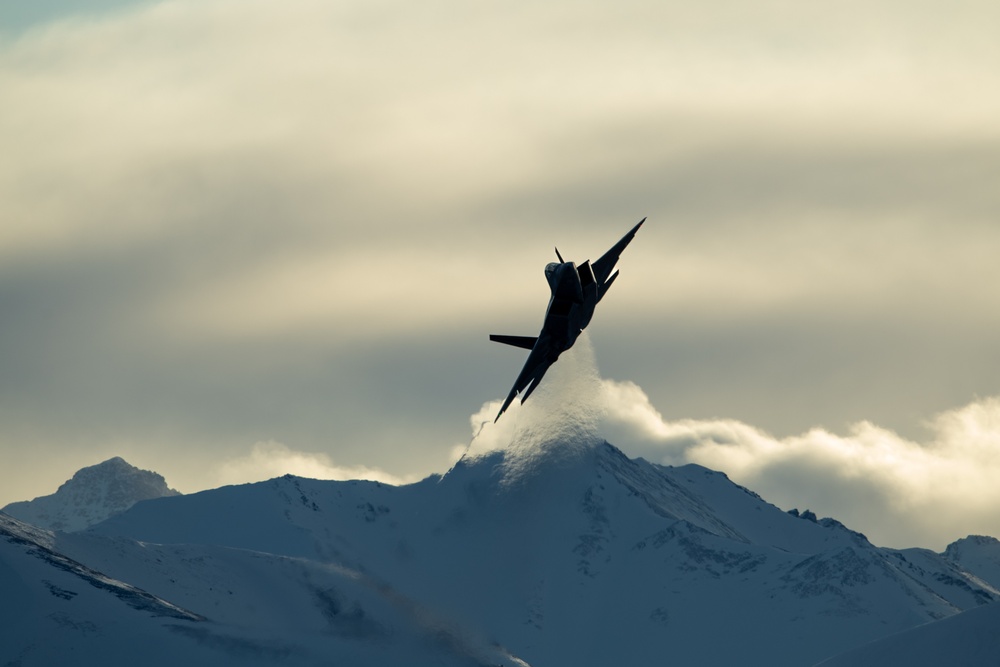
91	496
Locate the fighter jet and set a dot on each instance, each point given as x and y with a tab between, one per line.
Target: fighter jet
576	291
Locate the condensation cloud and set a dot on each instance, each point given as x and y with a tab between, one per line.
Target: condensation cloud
561	419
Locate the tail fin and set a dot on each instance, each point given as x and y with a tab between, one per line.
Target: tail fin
527	342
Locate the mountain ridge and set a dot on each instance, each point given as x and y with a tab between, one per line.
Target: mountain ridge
590	530
560	555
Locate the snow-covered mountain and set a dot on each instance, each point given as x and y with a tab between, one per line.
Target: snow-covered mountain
91	496
575	555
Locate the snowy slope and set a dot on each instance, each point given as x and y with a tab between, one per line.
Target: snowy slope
56	610
91	496
582	557
261	610
969	639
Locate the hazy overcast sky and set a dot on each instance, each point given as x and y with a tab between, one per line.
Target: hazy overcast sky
239	238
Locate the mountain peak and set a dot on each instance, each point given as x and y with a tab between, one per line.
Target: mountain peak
115	467
93	494
979	554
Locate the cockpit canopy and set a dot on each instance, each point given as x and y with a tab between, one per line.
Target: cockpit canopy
551	269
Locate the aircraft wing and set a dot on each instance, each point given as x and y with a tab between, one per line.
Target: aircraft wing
534	368
603	266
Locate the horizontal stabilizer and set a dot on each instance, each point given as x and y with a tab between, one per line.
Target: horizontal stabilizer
527	342
606	286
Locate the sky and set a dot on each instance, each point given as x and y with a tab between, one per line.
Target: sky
244	238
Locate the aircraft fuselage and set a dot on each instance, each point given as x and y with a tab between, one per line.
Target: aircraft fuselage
571	307
576	291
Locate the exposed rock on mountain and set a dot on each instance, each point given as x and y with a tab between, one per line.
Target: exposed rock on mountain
92	495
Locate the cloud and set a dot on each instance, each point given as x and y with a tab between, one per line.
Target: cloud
272	459
898	491
351	296
230	220
271	152
134	126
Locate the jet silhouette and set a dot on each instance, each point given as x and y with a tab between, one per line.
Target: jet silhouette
576	291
